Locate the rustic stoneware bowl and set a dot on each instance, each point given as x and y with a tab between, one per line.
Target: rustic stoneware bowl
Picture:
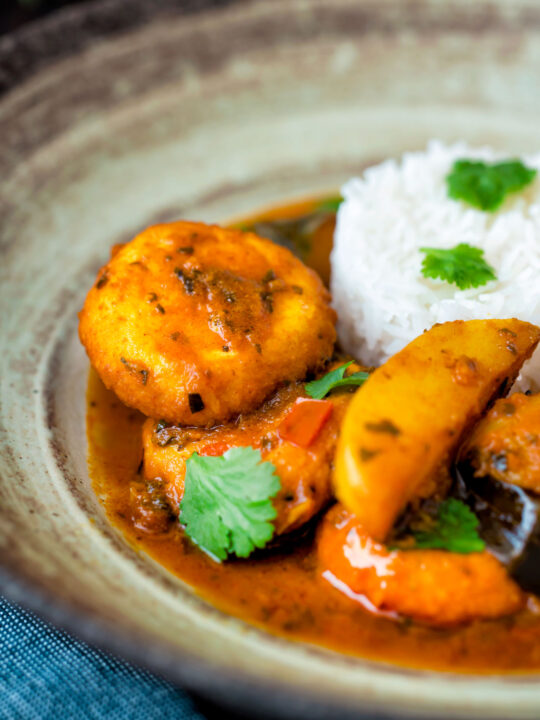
119	114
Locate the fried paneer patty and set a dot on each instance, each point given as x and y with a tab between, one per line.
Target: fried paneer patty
195	323
305	473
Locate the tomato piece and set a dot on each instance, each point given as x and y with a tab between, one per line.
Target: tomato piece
215	449
304	422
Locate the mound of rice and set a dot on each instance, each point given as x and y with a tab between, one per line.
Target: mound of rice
382	299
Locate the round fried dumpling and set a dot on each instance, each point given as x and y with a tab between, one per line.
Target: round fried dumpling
195	323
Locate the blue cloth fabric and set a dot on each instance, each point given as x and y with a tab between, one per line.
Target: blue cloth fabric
46	674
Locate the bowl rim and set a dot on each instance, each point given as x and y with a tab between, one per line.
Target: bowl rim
105	19
214	683
71	29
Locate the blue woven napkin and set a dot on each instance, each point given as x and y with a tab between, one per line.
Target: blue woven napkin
45	674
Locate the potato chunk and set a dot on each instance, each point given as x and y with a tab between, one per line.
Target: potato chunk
411	415
432	586
506	443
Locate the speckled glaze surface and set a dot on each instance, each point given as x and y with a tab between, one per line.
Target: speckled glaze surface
210	112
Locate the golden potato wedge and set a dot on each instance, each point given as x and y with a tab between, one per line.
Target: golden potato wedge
412	413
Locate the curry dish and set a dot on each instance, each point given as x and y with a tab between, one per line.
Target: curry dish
387	512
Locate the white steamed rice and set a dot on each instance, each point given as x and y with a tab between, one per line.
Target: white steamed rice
381	297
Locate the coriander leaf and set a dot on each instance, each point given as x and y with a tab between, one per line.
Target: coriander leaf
318	389
485	186
227	507
454	529
462	265
330	204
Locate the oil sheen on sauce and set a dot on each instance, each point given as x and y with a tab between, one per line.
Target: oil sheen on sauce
282	590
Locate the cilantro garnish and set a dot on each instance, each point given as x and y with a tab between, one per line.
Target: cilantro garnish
485	186
454	528
330	204
227	507
318	389
463	265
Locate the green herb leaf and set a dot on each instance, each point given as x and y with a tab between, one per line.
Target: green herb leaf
330	204
486	186
462	265
227	507
453	529
318	389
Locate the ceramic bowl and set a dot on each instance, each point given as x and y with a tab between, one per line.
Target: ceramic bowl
118	114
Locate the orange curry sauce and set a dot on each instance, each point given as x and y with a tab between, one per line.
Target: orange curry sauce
282	591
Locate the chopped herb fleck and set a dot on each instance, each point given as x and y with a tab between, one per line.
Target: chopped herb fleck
134	369
269	276
267	301
186	250
187	281
509	408
196	403
160	309
366	454
267	443
385	426
102	280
